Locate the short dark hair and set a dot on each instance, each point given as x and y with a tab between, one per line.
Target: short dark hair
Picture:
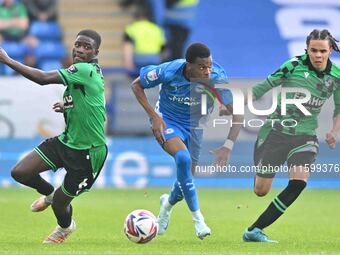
141	13
197	50
324	34
92	34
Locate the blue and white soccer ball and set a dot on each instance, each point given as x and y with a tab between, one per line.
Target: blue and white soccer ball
140	226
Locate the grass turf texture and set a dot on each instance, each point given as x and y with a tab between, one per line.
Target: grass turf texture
311	226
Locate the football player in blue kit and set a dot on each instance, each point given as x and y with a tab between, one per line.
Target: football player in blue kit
175	121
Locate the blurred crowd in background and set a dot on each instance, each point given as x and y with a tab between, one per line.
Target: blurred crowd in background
40	33
159	31
30	33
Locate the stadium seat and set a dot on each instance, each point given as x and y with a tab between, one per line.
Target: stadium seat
46	30
14	49
49	65
50	51
6	70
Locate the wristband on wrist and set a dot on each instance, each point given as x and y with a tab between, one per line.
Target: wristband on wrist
228	144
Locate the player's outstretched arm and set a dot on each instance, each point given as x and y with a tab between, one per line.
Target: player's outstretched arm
158	125
331	135
223	153
33	74
237	121
253	97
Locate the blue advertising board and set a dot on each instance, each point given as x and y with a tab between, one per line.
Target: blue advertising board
140	162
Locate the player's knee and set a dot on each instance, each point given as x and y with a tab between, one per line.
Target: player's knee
183	159
17	174
56	206
261	191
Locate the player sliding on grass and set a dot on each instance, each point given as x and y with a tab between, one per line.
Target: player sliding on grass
81	148
297	145
176	118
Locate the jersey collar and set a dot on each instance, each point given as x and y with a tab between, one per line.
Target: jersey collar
94	61
183	72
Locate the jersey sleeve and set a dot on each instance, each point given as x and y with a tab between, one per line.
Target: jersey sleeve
76	73
152	76
275	79
226	96
337	100
219	76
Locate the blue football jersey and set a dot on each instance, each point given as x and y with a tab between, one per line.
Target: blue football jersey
179	99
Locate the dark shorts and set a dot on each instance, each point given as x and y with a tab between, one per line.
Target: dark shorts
82	166
297	150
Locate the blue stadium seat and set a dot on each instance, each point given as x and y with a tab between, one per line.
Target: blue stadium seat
50	50
6	70
14	49
46	30
49	65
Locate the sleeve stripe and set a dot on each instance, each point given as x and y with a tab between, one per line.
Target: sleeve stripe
270	83
63	77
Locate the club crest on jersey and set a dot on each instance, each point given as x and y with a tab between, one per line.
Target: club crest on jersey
72	69
328	82
152	75
169	131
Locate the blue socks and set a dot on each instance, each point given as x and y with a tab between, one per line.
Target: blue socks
176	194
184	186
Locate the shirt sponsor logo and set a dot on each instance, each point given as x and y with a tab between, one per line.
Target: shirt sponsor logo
315	102
190	101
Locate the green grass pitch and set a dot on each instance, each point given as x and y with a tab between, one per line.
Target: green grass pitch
310	226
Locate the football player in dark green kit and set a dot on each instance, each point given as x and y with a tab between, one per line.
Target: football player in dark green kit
81	148
294	141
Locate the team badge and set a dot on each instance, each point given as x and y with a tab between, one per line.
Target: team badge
72	69
169	131
152	75
328	82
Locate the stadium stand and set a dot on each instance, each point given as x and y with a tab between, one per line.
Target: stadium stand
41	47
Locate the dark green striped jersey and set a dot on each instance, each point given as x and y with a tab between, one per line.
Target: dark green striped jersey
84	106
298	72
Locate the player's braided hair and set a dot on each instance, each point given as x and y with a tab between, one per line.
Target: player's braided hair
196	50
324	34
92	34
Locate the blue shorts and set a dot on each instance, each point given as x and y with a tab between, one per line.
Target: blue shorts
191	137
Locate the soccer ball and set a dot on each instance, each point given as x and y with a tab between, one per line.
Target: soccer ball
140	226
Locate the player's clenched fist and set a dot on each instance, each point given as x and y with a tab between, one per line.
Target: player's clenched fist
331	140
3	56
